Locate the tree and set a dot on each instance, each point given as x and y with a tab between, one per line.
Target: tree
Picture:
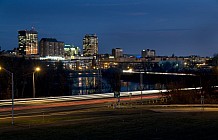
113	76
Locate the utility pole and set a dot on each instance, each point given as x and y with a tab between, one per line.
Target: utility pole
141	86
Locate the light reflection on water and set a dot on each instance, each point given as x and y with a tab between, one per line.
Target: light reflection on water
132	86
94	84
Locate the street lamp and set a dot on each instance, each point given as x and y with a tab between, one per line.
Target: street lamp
12	92
37	69
141	85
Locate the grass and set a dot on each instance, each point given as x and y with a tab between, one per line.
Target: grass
139	122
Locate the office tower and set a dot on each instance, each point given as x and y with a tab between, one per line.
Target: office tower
148	53
117	53
71	50
51	47
90	45
27	42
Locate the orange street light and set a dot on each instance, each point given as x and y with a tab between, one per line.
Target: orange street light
37	69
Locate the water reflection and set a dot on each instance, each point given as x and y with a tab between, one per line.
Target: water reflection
87	83
132	86
84	85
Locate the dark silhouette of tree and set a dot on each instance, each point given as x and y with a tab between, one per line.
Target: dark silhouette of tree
215	60
50	81
113	76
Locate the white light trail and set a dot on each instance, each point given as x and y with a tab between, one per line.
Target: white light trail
82	97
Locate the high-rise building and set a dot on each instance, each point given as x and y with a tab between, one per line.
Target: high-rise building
90	45
117	53
148	53
51	47
27	42
71	51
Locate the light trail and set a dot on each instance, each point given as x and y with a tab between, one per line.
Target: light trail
79	99
82	97
74	103
159	73
164	73
75	97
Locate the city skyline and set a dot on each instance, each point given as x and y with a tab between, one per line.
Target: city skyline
180	27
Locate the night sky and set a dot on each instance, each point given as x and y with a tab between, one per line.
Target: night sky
180	27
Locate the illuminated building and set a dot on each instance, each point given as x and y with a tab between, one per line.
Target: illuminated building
51	47
70	51
148	53
27	42
117	53
90	45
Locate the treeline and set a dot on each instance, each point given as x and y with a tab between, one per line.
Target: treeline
206	83
50	81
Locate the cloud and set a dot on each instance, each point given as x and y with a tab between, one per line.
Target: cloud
115	3
168	30
138	14
9	25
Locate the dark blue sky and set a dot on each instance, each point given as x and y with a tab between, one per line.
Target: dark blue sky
182	27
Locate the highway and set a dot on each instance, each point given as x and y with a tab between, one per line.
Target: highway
27	101
38	106
33	101
29	107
